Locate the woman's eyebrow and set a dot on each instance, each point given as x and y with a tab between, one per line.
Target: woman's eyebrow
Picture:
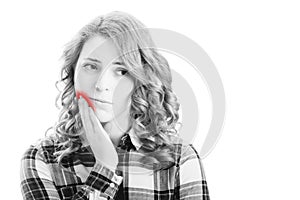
118	62
98	61
93	59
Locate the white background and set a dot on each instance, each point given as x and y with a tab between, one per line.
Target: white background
255	46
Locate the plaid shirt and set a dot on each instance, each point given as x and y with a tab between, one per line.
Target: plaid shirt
81	177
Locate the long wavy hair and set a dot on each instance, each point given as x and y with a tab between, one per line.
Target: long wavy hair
154	106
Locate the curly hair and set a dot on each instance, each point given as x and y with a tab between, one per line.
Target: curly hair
154	106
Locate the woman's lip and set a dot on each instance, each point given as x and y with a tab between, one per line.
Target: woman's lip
101	101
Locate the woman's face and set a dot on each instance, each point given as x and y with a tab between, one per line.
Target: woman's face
102	76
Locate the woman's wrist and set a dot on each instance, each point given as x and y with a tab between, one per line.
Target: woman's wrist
111	167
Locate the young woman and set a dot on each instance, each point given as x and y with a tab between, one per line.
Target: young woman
115	137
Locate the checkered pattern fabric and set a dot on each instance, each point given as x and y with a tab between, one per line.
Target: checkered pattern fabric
81	177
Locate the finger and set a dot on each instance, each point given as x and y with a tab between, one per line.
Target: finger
84	116
97	126
88	127
80	106
95	121
82	113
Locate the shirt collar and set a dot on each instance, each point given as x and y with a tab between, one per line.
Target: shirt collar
134	139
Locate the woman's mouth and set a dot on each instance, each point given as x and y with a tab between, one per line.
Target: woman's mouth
101	101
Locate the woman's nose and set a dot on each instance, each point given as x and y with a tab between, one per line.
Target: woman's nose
100	88
104	81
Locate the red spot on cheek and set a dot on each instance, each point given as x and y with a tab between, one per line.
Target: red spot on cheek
85	96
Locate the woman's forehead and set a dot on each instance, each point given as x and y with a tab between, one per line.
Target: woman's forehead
100	48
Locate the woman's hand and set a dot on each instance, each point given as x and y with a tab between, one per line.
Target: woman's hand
100	143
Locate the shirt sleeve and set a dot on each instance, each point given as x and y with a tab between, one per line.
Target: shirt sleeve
37	183
190	178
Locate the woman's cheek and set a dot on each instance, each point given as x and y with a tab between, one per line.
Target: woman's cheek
87	99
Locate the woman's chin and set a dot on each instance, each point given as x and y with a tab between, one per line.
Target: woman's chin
103	116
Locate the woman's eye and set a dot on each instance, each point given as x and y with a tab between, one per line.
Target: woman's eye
90	67
122	71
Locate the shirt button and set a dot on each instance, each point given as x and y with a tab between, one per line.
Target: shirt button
112	185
